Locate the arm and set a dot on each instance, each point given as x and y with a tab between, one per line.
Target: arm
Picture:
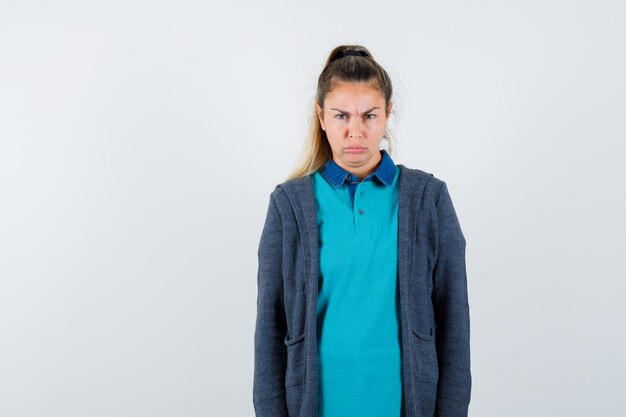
270	352
452	320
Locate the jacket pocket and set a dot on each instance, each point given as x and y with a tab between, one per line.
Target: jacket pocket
293	340
424	335
426	354
294	374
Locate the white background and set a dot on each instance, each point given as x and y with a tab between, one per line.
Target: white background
139	142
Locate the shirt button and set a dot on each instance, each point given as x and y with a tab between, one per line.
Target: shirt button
361	211
349	177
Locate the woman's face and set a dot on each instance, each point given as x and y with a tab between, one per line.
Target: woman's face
354	119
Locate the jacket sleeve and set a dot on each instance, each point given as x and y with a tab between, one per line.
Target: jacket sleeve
450	302
270	352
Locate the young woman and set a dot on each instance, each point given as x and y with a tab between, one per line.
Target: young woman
362	306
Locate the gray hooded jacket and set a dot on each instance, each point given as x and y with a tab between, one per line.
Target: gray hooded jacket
434	307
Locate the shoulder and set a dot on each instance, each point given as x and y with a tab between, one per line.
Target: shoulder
295	186
426	182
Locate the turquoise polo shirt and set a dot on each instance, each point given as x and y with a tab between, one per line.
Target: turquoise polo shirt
358	313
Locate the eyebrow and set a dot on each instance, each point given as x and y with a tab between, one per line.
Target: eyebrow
345	112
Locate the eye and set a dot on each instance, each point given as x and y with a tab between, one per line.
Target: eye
340	116
370	114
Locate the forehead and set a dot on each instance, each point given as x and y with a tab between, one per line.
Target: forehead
354	93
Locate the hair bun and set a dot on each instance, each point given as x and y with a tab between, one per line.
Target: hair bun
348	52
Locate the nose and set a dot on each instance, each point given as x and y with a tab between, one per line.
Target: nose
355	128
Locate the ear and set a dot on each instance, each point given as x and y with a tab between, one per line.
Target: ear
389	106
320	115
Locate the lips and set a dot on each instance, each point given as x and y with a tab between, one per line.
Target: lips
354	149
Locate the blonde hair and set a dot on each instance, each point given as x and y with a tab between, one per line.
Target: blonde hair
358	65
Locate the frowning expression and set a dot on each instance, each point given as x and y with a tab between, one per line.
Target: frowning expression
354	119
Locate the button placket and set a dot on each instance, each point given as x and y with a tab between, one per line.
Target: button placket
360	211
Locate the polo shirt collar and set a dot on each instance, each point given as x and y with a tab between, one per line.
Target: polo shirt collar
337	176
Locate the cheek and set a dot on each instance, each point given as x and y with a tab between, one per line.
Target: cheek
336	129
379	126
334	138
